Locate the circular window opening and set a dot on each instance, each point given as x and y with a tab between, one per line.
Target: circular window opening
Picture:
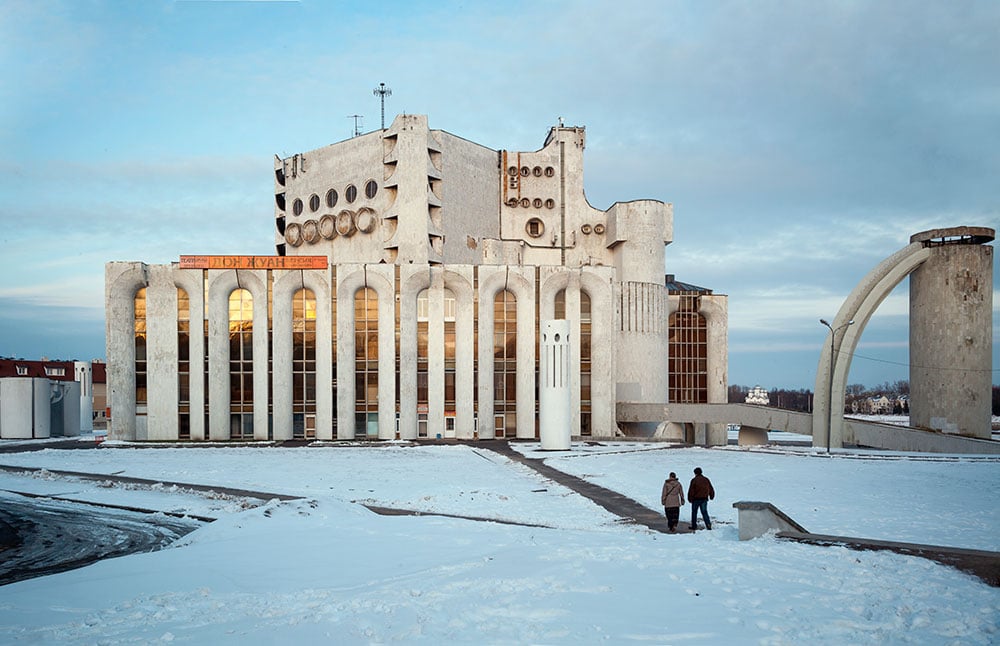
535	227
371	188
297	206
314	202
537	202
586	229
550	203
512	201
512	171
351	194
331	198
525	171
549	171
537	171
525	202
598	229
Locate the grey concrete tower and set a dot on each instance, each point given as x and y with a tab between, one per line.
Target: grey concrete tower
951	331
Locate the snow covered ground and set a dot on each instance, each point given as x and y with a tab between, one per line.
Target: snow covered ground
325	569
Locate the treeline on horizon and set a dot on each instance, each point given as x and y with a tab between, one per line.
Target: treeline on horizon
802	399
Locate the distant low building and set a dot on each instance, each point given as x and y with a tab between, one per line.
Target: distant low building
41	399
759	396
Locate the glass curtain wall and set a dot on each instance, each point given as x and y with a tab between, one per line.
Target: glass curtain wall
688	352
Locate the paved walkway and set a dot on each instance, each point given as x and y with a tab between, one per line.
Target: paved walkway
624	507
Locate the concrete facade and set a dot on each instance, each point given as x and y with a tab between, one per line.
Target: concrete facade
442	257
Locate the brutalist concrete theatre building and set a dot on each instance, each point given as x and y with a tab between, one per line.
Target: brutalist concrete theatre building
413	270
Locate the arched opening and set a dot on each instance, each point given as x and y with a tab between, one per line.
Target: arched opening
140	352
240	365
505	364
304	364
183	365
423	387
366	362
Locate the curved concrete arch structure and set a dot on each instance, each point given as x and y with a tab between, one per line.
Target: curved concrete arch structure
860	305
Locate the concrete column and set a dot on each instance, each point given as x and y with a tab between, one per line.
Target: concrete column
121	281
951	328
161	355
285	286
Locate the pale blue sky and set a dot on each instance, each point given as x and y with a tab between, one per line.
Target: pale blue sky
800	142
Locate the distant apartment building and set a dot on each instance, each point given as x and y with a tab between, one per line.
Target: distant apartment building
412	274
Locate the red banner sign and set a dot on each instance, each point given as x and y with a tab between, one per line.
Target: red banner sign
254	262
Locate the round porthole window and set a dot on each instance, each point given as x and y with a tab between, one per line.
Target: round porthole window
537	171
537	202
297	206
534	228
549	171
314	202
371	188
351	193
525	171
512	201
550	203
598	229
586	229
512	171
525	202
331	198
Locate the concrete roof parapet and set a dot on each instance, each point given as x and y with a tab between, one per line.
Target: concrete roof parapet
955	235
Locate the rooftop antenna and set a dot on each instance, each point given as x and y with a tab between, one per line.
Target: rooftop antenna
382	91
357	123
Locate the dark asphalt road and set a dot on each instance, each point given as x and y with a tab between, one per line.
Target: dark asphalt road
40	537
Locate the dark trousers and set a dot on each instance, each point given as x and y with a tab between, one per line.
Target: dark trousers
702	504
673	514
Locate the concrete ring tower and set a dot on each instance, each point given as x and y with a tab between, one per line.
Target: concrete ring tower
951	336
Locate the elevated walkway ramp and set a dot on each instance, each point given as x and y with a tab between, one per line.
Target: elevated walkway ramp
889	437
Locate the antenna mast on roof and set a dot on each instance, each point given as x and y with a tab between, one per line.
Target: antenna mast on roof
382	91
357	123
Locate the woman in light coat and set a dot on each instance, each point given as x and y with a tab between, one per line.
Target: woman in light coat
672	497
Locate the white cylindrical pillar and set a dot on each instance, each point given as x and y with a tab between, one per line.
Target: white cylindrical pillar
85	376
554	386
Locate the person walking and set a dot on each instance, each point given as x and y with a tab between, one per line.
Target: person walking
700	491
672	498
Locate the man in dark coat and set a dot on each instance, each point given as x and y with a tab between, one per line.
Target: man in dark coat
700	491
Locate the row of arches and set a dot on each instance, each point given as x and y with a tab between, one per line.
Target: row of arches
446	357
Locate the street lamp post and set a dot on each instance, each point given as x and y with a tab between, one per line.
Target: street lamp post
833	336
